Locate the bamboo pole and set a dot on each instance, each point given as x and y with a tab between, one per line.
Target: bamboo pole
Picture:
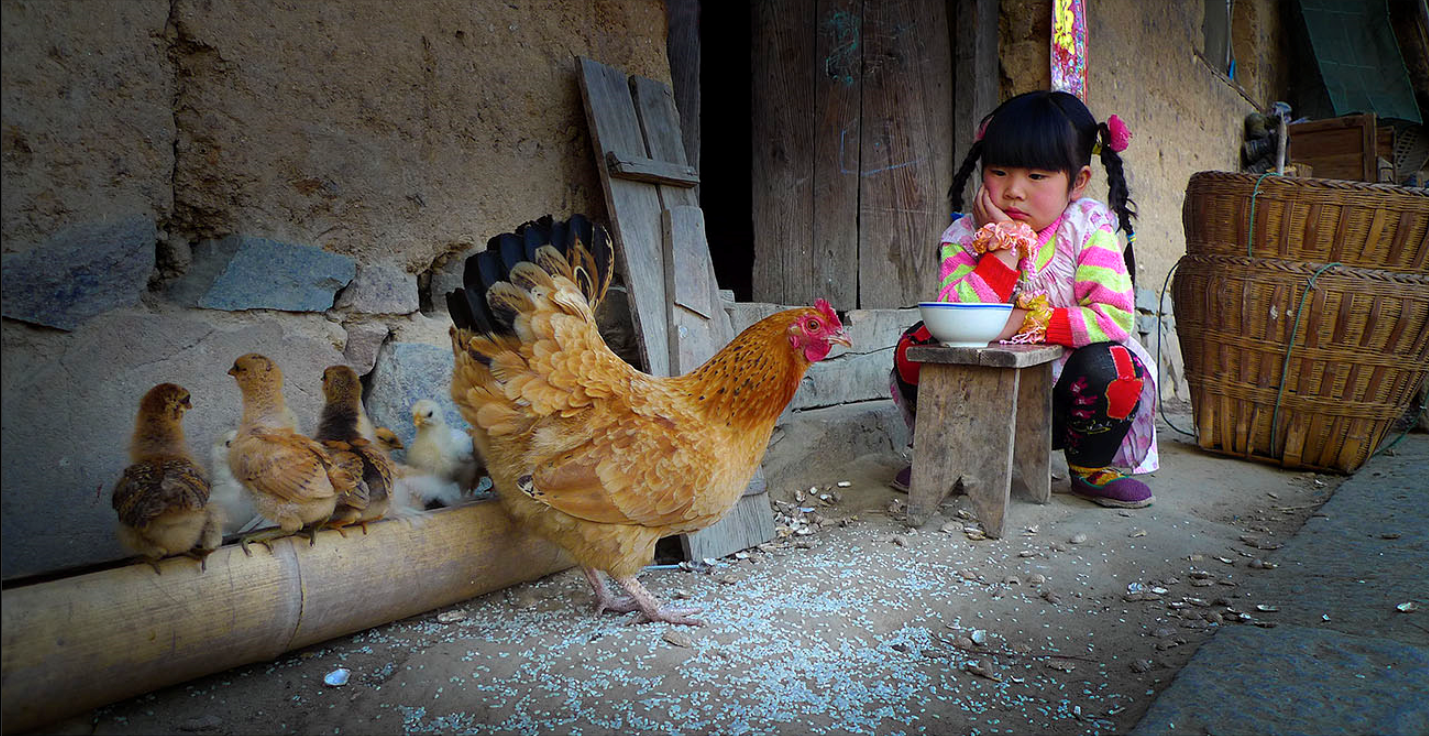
81	642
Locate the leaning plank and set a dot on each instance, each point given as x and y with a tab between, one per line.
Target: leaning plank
634	207
81	642
651	171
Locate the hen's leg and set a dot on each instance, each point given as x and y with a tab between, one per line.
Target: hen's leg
650	609
604	601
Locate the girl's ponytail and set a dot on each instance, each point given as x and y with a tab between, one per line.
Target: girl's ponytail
960	180
1118	195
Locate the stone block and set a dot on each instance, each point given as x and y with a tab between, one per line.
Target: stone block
80	272
364	340
851	378
843	432
878	329
243	272
380	288
1146	300
70	400
405	373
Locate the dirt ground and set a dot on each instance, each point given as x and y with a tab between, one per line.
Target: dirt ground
852	623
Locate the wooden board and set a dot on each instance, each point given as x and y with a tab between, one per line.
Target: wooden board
955	403
1338	148
694	325
81	642
975	73
906	160
782	177
616	129
838	91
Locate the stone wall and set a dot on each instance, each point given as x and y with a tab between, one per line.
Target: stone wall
190	180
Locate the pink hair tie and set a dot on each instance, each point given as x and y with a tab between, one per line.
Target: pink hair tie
1120	136
981	128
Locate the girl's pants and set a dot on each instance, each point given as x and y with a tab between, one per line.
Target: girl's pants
1093	403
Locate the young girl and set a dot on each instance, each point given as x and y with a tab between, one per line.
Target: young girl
1033	240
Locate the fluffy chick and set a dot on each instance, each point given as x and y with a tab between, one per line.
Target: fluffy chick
226	492
413	490
339	429
162	499
441	450
294	481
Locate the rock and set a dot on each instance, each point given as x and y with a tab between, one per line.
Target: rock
243	272
202	723
380	288
364	341
678	638
405	373
70	400
79	273
1147	300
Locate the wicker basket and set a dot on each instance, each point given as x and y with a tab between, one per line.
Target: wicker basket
1321	220
1359	352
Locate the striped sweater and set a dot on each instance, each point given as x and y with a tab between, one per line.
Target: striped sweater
1099	306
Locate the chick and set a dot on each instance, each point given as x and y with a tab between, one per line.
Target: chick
293	480
162	499
440	450
339	429
227	493
388	439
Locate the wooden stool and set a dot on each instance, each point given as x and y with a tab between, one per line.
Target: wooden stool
981	413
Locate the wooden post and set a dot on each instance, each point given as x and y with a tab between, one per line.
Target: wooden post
81	642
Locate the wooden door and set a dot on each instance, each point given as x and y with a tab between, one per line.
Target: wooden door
853	138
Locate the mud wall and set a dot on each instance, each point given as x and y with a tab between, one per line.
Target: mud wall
190	180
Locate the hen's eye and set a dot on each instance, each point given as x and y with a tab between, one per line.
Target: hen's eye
813	325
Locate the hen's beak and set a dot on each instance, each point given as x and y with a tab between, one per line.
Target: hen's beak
841	338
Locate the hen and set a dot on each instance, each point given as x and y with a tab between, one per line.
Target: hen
584	449
340	432
293	480
162	500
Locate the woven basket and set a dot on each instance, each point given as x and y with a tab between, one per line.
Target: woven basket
1359	352
1321	220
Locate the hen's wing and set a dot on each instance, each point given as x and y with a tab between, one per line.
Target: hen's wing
635	469
345	457
154	487
287	465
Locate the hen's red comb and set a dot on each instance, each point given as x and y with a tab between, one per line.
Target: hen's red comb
823	306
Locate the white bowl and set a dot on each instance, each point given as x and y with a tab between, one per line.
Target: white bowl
964	325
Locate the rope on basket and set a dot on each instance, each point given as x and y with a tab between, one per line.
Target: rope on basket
1160	311
1285	366
1250	231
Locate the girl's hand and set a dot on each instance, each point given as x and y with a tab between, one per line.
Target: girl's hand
984	211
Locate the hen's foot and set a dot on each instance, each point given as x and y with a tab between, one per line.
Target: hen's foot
683	616
604	600
650	610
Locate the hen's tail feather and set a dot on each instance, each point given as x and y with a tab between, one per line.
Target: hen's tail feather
577	249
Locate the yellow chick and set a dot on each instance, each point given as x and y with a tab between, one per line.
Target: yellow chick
162	499
294	481
441	450
227	493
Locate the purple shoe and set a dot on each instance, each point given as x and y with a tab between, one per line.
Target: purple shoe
902	480
1108	487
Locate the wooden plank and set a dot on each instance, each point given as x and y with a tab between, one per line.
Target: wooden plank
125	631
694	299
782	179
1001	356
955	403
634	208
660	126
1032	443
748	524
975	71
651	171
838	88
683	46
906	151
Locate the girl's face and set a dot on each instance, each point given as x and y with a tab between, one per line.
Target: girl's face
1034	196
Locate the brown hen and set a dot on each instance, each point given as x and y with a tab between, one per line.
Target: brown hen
584	449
